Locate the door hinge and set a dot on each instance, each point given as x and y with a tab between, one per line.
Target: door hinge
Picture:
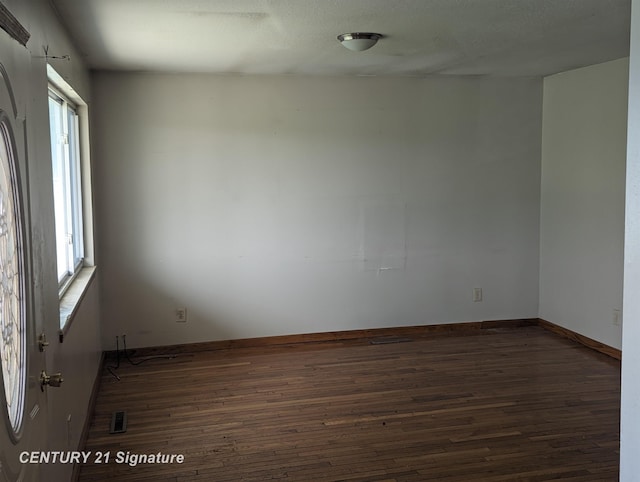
42	342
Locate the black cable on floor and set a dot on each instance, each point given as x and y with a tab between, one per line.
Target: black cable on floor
136	363
112	368
128	358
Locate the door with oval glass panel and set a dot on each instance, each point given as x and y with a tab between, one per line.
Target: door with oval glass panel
23	401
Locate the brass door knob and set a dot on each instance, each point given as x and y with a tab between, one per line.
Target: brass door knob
53	380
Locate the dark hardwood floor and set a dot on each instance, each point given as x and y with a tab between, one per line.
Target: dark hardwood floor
492	405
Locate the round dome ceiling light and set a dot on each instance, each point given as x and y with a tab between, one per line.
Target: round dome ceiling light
359	41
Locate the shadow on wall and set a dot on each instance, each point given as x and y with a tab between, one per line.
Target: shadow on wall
148	314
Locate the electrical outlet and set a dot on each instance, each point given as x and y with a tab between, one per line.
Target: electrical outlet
181	315
477	294
616	318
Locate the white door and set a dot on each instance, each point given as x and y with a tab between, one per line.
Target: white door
23	402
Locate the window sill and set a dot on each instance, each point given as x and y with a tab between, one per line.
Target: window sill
71	299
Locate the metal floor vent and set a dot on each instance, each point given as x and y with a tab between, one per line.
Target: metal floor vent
118	422
389	339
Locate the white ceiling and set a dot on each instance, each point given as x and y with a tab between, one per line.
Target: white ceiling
422	37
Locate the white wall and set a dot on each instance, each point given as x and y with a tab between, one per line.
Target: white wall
282	205
79	356
582	200
630	397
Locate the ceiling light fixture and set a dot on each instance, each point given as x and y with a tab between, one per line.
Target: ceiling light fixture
359	41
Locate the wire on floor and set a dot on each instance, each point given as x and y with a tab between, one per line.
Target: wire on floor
111	369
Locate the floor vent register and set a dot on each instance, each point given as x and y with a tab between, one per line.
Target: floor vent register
118	422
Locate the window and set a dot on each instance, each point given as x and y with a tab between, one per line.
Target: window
12	310
67	191
72	198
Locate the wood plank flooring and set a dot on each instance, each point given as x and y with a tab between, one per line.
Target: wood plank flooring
500	405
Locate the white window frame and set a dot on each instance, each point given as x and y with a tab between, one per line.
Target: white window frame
72	291
69	206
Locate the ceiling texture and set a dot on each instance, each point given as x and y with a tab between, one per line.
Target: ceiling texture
421	37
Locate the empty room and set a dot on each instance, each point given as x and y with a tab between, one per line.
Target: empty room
309	240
